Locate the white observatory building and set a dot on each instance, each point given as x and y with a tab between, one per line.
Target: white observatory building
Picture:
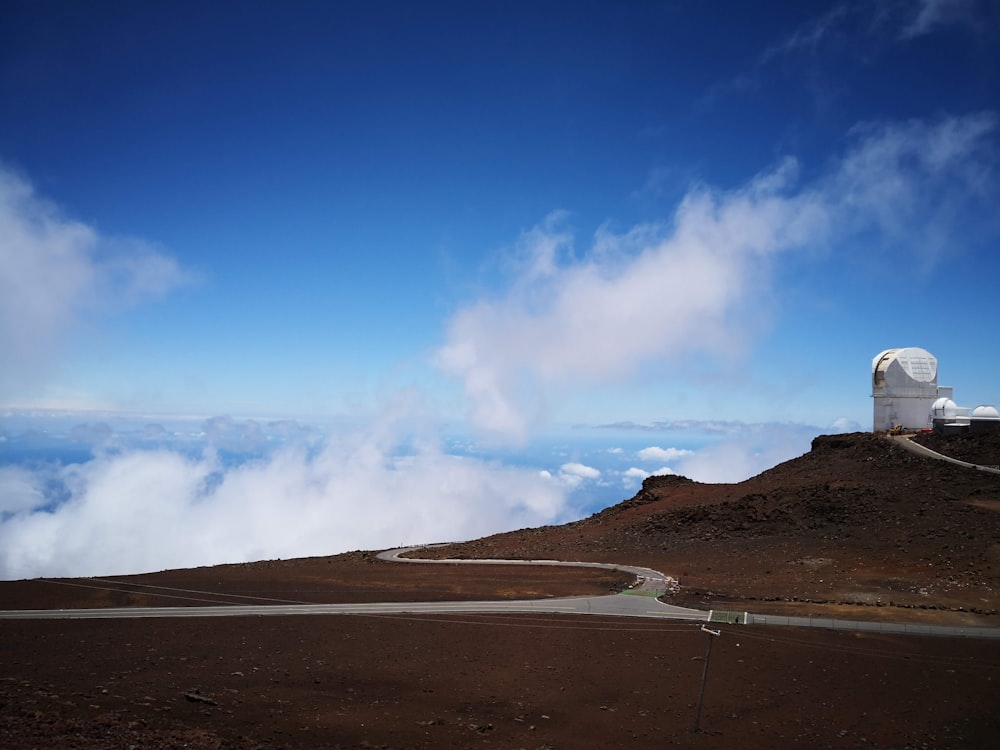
906	393
905	389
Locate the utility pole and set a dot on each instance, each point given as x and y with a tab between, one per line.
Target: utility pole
712	635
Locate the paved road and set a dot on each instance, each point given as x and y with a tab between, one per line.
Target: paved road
922	450
650	581
638	602
623	606
641	603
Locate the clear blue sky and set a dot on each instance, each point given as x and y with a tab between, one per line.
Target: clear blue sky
294	205
481	220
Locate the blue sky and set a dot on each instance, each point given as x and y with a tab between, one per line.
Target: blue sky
512	217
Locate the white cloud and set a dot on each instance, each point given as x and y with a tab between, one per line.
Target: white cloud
598	319
574	474
580	470
20	490
142	510
745	455
914	181
843	424
655	453
694	287
55	272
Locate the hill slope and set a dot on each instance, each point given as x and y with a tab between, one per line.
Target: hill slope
858	520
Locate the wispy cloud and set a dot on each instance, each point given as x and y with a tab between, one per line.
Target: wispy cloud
924	16
736	460
854	30
56	272
811	35
915	181
879	22
692	286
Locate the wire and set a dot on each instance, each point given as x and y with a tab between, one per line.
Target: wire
196	591
861	651
125	591
504	620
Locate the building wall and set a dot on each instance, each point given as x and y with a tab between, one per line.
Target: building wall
914	413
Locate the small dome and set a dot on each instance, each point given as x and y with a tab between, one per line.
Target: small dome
985	412
944	407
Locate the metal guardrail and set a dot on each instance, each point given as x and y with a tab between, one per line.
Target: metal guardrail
892	628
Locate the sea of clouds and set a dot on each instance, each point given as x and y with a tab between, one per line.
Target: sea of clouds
129	495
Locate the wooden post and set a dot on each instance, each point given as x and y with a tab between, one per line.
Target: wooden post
704	675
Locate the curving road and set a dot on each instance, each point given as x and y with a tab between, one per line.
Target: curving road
652	582
922	450
640	601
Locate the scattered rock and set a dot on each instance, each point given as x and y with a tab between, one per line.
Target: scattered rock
195	696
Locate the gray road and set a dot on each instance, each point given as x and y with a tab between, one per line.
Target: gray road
640	601
648	580
921	450
624	606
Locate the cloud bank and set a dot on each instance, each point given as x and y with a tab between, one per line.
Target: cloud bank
142	510
691	287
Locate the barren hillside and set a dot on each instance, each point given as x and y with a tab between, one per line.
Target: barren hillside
857	520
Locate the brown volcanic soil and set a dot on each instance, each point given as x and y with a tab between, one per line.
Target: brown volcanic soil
976	449
483	682
857	520
350	577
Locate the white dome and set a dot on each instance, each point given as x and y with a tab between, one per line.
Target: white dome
985	412
918	363
944	407
904	372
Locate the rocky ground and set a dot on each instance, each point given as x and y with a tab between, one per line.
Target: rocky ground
857	527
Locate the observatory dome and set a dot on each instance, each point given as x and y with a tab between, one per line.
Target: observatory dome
986	412
910	372
944	408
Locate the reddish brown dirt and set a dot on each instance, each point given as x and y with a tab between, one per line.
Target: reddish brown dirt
853	524
351	577
491	682
971	447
